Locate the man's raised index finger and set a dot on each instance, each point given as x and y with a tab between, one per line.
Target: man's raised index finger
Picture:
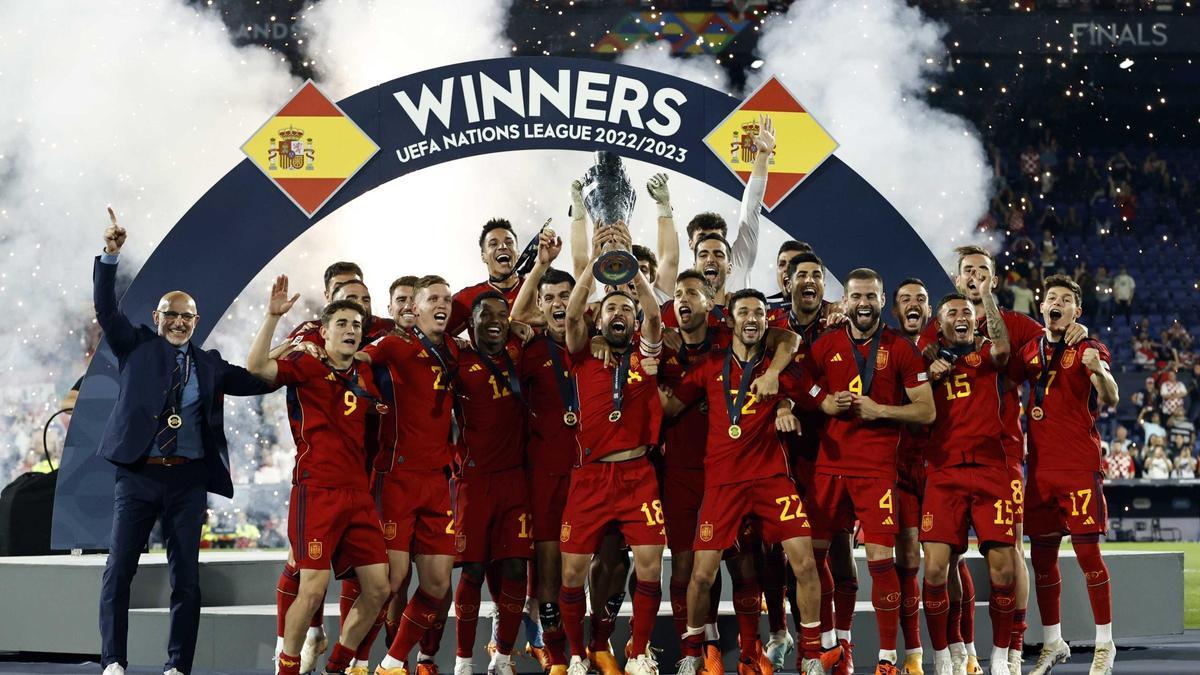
112	216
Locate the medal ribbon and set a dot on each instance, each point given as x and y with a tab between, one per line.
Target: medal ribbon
447	371
1039	390
514	384
620	375
184	376
862	363
566	384
733	405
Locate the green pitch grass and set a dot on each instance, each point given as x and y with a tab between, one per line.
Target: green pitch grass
1191	572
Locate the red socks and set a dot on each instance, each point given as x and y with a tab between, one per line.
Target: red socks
1046	578
1017	643
954	621
821	555
679	605
339	658
511	605
910	599
466	611
572	603
1001	604
810	642
285	595
747	606
967	602
414	622
288	664
1095	575
552	632
885	596
845	594
647	596
364	648
937	614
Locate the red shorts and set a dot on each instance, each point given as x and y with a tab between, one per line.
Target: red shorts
547	498
804	471
772	503
1065	501
1016	482
624	493
334	528
838	500
415	511
492	518
975	495
682	493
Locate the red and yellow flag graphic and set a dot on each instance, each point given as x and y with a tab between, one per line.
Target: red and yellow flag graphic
310	148
801	143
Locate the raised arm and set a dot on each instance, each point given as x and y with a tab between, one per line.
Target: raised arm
997	330
580	255
668	240
745	246
1102	379
258	361
577	327
524	308
782	344
119	331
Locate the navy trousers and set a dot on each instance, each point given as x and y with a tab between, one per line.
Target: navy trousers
141	496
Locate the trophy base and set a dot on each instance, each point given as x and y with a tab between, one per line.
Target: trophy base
615	268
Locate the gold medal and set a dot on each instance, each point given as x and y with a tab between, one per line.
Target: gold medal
1037	413
570	418
174	421
614	416
735	432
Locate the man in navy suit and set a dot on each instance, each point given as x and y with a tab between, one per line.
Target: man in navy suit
166	436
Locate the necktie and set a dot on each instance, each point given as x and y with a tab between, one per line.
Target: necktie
166	435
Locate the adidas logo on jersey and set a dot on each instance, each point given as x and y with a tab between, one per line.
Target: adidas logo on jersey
475	368
548	364
888	521
1009	532
423	354
1089	521
837	358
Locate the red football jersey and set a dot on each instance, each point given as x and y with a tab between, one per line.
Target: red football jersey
417	435
460	305
804	444
968	428
328	421
551	447
716	315
850	446
684	436
493	416
1065	439
1021	331
641	411
781	317
757	452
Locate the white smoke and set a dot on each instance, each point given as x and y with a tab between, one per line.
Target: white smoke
863	70
141	105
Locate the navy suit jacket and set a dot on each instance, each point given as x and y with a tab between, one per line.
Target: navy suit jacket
146	360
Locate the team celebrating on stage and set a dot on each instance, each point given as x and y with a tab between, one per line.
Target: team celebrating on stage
549	443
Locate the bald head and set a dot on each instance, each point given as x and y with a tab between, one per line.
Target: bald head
176	317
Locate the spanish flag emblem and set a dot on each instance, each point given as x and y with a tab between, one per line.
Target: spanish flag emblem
310	148
801	142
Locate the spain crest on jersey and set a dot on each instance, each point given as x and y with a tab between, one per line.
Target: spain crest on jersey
315	548
927	522
706	531
973	359
389	530
460	542
881	359
564	533
1068	358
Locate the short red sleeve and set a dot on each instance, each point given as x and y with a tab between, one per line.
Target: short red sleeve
912	366
296	368
694	383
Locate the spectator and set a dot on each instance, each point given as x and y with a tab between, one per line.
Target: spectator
1185	464
1173	395
1193	384
1023	300
1119	168
1147	399
1143	354
1070	186
1104	297
1152	428
1123	286
1049	253
268	473
1125	200
1087	287
1093	182
1031	168
1120	439
1119	463
1180	431
246	533
1158	464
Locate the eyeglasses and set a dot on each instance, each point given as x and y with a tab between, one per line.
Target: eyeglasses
186	316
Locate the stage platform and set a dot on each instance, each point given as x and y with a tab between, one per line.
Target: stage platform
52	603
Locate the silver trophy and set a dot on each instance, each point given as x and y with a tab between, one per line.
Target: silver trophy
608	196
